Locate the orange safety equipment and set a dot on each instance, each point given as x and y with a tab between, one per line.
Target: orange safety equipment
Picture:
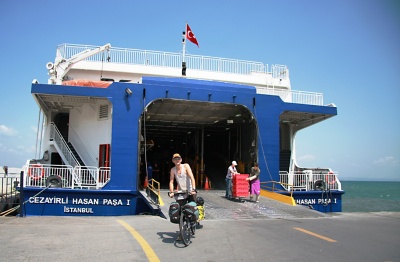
36	171
206	186
330	178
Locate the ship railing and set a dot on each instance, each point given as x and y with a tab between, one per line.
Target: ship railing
8	185
87	176
272	186
104	176
307	180
59	141
83	177
80	147
153	191
293	96
174	60
36	175
307	98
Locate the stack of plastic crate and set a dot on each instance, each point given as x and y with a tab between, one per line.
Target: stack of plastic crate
240	187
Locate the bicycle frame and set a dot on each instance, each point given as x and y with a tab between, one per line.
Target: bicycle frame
187	227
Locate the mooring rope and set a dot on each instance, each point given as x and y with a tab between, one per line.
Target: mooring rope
4	213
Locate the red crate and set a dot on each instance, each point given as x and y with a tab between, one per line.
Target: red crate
240	193
240	187
240	177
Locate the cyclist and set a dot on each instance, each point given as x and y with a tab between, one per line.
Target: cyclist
184	178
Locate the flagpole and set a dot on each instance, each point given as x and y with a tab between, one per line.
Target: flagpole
184	52
184	44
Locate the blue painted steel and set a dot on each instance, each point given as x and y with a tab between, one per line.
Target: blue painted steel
323	201
70	202
127	111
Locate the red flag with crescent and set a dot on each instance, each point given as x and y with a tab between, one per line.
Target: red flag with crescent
190	36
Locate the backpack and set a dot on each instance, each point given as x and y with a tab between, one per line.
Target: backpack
174	212
190	209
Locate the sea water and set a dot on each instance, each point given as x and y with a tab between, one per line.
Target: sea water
370	196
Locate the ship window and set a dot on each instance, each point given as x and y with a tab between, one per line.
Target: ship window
103	112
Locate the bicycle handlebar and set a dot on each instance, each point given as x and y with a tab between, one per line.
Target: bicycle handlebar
181	192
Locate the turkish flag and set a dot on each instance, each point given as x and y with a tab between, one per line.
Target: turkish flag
190	36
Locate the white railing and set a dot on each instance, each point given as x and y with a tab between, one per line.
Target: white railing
66	153
201	63
293	96
87	176
80	147
104	175
36	175
307	98
306	181
174	60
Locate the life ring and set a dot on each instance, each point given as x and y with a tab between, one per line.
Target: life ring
330	178
36	171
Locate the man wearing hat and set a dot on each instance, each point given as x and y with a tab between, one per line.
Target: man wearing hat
228	179
184	178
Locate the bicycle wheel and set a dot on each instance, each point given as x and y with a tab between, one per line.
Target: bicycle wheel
193	227
184	227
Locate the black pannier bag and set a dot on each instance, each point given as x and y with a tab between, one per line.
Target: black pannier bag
174	213
191	210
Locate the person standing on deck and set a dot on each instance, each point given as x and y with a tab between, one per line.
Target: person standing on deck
228	179
254	182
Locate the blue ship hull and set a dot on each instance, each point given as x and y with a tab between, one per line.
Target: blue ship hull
121	196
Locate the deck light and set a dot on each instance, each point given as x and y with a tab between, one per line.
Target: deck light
128	91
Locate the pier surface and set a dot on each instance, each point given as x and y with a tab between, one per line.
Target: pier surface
232	231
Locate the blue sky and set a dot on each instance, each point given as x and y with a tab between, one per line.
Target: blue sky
347	50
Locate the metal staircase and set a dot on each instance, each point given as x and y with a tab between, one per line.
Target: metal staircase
86	176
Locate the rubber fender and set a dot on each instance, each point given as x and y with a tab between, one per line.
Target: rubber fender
319	185
53	181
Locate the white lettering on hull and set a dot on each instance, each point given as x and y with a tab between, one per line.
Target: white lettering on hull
79	210
312	201
78	201
85	201
112	202
48	200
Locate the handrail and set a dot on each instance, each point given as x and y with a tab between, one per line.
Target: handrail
151	58
81	148
305	180
61	143
174	60
274	189
294	96
35	175
153	191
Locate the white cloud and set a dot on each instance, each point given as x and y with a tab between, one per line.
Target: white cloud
34	129
7	131
385	160
308	157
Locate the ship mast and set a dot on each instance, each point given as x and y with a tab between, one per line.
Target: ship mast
184	51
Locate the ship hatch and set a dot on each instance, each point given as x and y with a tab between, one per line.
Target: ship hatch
205	134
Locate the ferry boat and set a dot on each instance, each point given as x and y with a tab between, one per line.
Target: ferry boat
111	119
